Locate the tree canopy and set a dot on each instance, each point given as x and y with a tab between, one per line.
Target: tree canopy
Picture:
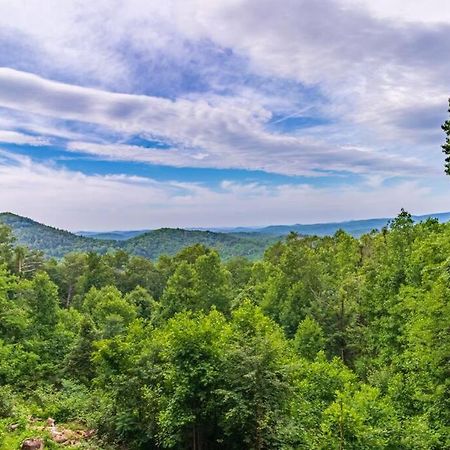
323	343
446	146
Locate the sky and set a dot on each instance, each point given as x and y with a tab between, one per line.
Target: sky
199	113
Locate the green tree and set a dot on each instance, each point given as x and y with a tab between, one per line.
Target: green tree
309	338
142	272
6	244
253	397
446	146
42	297
110	312
14	316
78	363
180	294
146	307
71	270
212	283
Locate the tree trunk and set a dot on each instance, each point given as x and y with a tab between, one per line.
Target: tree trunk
69	296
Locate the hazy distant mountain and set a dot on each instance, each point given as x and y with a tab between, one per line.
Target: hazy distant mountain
354	227
114	235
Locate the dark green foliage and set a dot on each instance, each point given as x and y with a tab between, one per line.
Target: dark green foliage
6	244
78	364
446	146
325	343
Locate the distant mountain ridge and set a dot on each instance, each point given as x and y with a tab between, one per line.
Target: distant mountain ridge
354	227
230	242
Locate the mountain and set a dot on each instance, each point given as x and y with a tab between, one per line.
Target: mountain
354	227
241	241
52	241
168	241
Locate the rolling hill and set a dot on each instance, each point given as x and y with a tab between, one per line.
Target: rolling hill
229	242
169	241
54	242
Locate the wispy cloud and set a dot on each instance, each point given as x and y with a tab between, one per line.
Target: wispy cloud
226	132
13	137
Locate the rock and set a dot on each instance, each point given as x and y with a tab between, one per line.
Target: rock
59	438
32	444
89	433
50	422
13	426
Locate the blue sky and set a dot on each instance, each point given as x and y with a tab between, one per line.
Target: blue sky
192	113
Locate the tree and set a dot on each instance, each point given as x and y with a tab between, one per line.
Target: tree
179	294
446	146
26	262
98	273
141	272
309	338
78	362
360	419
240	269
43	300
256	383
71	271
14	316
109	311
212	283
163	382
146	306
6	244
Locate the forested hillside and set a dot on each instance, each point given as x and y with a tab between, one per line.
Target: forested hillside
51	241
324	343
152	244
168	241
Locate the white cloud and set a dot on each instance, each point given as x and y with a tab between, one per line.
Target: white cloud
77	201
13	137
430	11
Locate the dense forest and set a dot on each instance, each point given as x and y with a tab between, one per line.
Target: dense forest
324	343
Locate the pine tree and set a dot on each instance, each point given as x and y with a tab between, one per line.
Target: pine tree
446	146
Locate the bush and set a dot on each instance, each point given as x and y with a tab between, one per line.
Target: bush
7	402
71	402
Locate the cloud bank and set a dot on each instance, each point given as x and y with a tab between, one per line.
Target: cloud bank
74	200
